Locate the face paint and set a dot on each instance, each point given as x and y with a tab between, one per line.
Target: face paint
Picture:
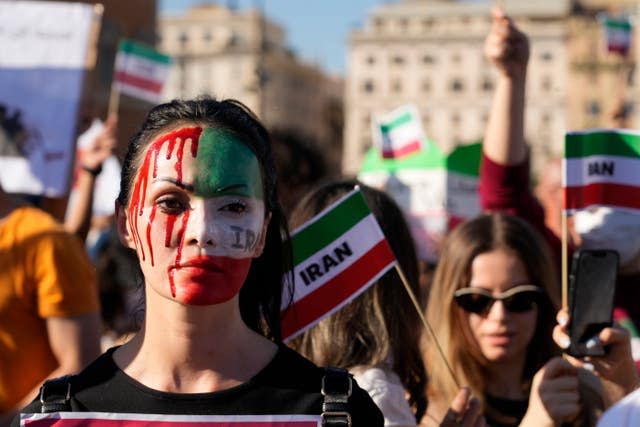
206	214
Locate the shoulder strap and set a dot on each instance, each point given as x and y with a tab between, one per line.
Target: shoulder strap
55	395
336	389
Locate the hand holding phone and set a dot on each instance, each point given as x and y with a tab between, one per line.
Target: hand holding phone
591	291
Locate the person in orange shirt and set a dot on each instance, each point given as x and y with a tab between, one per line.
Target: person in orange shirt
49	309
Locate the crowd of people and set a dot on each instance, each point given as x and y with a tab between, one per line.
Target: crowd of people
189	271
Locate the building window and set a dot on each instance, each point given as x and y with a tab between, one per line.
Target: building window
593	108
545	120
426	85
403	23
455	119
184	38
368	86
428	59
207	37
371	60
378	23
546	84
397	59
546	56
457	85
487	84
427	23
426	119
455	58
396	85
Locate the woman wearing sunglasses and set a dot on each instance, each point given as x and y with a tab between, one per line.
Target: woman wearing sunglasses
493	304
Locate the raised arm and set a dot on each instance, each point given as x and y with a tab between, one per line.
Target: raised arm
78	220
507	48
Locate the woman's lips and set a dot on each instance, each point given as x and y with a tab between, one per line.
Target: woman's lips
499	339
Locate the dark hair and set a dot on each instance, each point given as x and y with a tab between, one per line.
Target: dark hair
261	294
485	233
382	321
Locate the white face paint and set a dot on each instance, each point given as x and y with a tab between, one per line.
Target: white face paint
608	228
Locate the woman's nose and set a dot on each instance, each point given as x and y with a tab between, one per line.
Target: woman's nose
199	226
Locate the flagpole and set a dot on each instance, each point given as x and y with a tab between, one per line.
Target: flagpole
114	101
426	324
565	261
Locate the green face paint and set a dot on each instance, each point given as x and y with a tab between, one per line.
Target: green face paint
225	165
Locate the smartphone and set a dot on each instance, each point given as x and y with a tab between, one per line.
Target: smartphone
592	285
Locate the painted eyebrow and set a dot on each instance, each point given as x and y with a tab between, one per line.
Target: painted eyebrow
184	186
231	187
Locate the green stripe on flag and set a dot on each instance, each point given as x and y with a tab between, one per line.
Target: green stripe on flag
465	159
618	24
329	227
139	49
601	143
398	121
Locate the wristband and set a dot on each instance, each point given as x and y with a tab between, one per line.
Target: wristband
93	171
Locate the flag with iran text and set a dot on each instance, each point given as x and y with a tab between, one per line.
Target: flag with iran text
141	71
602	168
398	133
618	32
337	254
108	419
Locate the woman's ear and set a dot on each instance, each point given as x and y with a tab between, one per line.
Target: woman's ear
263	237
123	227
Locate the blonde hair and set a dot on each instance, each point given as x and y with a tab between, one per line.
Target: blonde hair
483	234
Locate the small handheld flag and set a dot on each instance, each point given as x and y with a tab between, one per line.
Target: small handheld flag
140	71
618	31
602	168
338	254
398	133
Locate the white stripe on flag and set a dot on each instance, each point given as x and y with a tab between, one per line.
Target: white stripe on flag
137	92
142	67
361	238
583	171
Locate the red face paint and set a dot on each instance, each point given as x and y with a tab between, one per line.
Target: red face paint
138	195
209	280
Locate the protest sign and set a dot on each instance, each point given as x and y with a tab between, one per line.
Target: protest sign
43	53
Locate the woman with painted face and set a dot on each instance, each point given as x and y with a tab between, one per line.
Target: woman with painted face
493	307
198	204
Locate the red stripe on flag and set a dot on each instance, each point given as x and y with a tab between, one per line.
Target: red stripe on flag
337	290
627	196
409	148
105	422
139	82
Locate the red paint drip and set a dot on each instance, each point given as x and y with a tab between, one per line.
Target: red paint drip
171	220
137	198
181	234
172	144
151	217
179	155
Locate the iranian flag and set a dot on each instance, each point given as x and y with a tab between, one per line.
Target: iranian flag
140	71
337	254
602	168
398	133
618	32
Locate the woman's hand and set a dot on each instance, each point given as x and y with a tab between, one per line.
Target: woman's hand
506	46
464	411
554	396
616	368
102	146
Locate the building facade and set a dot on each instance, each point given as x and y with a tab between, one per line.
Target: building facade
430	53
229	53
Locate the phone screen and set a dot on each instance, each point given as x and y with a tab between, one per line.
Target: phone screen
591	291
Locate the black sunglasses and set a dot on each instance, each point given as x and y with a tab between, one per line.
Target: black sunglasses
518	299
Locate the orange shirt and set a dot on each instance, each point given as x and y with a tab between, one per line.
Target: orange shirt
44	272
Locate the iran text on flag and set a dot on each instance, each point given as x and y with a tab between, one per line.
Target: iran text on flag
109	419
398	133
337	255
602	168
141	71
618	34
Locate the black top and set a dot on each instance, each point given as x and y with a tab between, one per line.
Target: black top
500	412
288	385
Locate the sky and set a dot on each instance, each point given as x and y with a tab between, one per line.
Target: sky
316	30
